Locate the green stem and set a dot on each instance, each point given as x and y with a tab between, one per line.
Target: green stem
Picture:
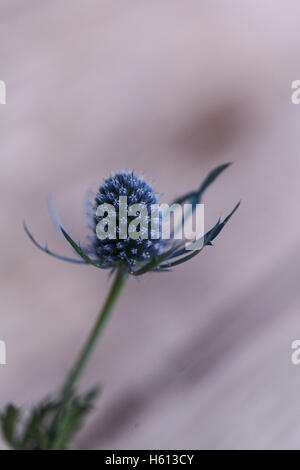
76	371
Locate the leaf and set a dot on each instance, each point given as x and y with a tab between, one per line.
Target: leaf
156	261
77	248
45	249
36	429
54	215
212	234
194	197
208	238
72	417
9	420
36	432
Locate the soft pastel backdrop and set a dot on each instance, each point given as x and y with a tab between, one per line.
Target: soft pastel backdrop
198	358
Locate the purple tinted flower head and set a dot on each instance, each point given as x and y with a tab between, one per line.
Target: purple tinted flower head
127	252
136	255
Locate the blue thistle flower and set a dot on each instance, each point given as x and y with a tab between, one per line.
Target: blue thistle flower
128	252
143	254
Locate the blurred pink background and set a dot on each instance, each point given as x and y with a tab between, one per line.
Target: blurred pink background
198	358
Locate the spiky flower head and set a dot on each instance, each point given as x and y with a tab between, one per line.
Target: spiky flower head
135	255
127	251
